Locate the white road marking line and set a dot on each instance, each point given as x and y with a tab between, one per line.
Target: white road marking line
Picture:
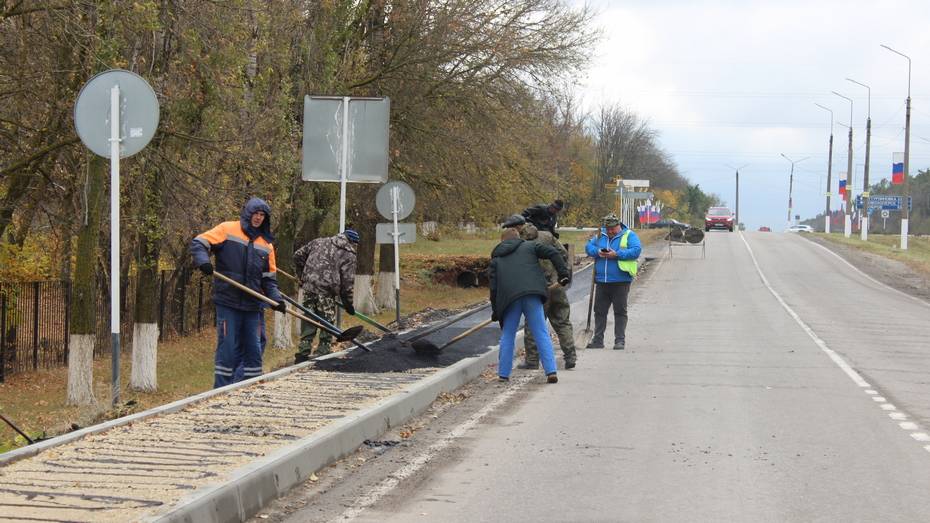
887	406
422	459
908	425
873	280
878	399
897	416
927	448
920	436
837	359
870	391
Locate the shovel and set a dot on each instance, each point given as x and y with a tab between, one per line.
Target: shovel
370	321
427	348
346	335
315	316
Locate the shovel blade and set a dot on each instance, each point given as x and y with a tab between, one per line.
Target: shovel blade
425	348
350	334
583	338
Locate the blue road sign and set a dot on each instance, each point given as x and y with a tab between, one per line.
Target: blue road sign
885	202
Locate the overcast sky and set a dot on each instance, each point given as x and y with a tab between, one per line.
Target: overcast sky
735	82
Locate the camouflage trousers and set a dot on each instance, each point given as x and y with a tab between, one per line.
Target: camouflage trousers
324	307
558	311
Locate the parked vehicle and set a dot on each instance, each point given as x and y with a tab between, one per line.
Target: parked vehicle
800	228
764	229
719	218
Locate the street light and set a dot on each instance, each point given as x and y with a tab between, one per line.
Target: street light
847	226
826	226
864	213
791	183
906	212
737	190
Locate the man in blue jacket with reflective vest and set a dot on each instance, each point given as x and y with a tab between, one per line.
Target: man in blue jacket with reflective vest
615	250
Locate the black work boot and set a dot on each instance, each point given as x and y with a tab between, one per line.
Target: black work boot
569	364
595	344
619	345
528	365
300	357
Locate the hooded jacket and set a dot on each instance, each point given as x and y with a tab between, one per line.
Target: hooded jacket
540	216
242	253
608	270
514	272
327	267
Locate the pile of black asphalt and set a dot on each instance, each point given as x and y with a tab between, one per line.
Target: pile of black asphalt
391	354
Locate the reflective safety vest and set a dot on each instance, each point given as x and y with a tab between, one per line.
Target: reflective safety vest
628	266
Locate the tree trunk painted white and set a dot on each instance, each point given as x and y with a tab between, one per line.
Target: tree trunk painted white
384	291
81	369
144	357
283	331
364	300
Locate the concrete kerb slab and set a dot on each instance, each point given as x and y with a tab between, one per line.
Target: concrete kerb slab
254	486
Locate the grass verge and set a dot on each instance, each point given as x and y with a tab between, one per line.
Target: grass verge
917	255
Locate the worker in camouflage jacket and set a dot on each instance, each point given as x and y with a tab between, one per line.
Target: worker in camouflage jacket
327	271
557	307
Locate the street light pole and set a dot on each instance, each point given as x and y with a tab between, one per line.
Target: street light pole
906	211
864	213
826	226
791	184
737	190
847	226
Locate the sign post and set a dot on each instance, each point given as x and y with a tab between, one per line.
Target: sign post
126	102
395	201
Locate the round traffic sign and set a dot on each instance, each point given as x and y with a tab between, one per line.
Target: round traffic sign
405	200
885	213
138	118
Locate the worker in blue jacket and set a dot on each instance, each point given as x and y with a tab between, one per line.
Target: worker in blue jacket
615	250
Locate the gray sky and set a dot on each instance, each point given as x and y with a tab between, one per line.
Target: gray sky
728	82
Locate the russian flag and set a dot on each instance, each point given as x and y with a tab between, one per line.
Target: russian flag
842	178
897	168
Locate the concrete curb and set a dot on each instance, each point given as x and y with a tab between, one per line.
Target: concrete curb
257	484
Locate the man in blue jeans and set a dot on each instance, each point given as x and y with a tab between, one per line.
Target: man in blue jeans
518	289
243	252
615	250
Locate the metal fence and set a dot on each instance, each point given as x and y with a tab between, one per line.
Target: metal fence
35	317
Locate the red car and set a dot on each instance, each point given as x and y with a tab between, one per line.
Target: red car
764	229
718	218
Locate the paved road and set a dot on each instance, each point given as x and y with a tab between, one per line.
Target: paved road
735	401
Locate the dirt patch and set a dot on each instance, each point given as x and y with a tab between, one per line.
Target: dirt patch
896	274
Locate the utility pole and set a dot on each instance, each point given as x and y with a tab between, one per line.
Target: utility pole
826	226
791	184
864	213
847	226
906	211
737	191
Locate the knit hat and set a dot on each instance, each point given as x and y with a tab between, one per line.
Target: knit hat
558	204
611	220
515	220
352	235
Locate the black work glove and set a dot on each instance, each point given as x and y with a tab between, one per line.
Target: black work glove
206	268
347	305
281	306
564	281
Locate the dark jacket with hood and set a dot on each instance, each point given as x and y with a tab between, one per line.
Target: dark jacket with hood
540	216
244	254
514	272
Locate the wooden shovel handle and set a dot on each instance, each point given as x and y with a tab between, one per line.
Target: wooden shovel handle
269	301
